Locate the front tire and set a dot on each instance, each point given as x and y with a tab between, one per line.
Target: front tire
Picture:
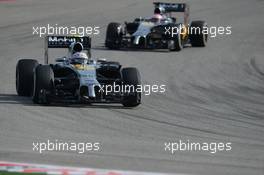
24	76
175	44
131	77
198	39
113	36
43	84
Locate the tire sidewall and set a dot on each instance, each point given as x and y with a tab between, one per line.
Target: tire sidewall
198	40
25	76
43	82
114	36
131	76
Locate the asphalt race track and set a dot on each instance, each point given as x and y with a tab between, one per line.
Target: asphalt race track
213	94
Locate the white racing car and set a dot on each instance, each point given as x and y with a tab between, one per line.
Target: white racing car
76	77
161	31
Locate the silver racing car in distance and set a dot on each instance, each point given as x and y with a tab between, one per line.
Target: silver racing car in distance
76	78
166	29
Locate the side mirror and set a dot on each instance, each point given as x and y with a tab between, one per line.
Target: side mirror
101	60
173	20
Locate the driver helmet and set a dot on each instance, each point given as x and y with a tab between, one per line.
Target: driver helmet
156	18
79	58
159	10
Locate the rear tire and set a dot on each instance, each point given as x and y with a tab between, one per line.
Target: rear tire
113	36
131	77
198	39
24	76
43	84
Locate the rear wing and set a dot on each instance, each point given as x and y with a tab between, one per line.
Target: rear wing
172	7
65	42
175	7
